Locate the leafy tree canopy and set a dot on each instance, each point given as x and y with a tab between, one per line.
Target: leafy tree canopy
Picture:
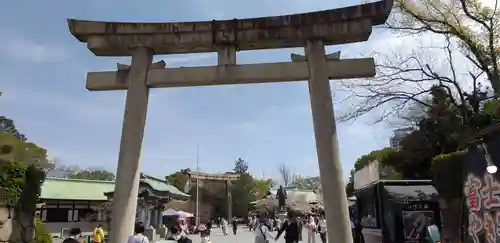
240	166
93	174
376	155
7	126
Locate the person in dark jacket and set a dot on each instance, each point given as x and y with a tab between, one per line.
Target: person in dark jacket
292	229
235	225
74	236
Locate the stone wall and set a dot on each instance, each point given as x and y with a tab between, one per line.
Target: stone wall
6	225
10	230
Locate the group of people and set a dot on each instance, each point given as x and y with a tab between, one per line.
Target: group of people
292	227
76	236
263	226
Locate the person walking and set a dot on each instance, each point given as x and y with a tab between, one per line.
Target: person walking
204	234
224	226
75	235
138	236
178	234
98	234
235	225
262	233
322	228
291	227
311	230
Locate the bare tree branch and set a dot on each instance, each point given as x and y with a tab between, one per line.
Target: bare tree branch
406	80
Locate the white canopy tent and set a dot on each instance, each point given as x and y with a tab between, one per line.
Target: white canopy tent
170	212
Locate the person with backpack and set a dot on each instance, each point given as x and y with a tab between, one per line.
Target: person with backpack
292	229
262	232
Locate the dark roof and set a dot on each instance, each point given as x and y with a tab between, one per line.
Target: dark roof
411	191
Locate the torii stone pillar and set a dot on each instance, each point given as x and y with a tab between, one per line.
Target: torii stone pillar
128	170
327	147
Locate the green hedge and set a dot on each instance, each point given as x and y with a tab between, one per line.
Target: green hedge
448	174
41	233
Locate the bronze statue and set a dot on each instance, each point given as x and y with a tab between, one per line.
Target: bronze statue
281	196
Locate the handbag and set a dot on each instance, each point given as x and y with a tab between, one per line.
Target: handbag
264	235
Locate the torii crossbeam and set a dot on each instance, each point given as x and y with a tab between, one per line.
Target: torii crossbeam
312	30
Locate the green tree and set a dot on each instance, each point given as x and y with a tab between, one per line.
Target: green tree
242	195
178	179
376	155
240	166
260	188
15	149
7	126
93	174
22	165
433	149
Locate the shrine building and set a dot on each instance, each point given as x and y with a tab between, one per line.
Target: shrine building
66	203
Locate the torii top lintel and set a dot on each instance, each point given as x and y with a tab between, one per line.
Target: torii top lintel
335	26
213	177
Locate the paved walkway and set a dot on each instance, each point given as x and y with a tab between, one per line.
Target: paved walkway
243	236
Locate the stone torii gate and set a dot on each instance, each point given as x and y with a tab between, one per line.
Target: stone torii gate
228	181
312	30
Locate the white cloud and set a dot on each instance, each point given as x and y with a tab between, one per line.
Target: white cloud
25	50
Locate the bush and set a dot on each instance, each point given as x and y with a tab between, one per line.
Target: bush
41	234
448	174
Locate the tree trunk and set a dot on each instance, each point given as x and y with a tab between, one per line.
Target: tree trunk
451	220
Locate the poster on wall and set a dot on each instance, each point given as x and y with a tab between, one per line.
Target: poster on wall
414	224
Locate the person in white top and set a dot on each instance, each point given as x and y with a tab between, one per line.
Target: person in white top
311	230
322	228
224	225
204	234
262	233
138	236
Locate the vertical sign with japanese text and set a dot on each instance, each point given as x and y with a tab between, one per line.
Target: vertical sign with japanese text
482	196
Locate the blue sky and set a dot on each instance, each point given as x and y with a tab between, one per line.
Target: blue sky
42	75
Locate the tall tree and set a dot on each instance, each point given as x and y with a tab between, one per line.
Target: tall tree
7	126
285	174
240	166
15	149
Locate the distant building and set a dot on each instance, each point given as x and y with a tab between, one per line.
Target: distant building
67	202
398	136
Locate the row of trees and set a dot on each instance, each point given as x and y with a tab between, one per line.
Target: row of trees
59	170
446	91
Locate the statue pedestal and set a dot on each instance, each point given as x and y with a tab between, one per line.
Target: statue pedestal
281	214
